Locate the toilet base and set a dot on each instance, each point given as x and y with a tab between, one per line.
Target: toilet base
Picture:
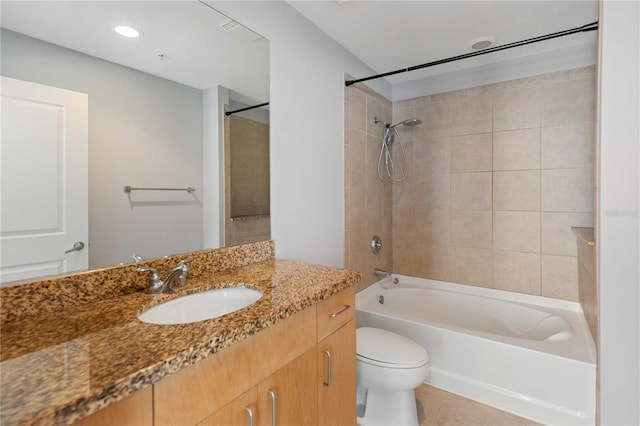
390	408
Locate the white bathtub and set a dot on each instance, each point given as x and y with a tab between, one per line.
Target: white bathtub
529	355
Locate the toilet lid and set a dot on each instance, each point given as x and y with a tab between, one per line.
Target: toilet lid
382	346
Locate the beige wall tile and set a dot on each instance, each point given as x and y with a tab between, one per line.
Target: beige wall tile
568	146
432	226
376	109
433	261
455	162
346	165
346	208
560	277
557	237
518	190
471	229
516	231
404	108
357	191
567	190
433	192
515	271
359	237
374	224
358	110
472	114
372	154
403	258
402	194
357	151
472	266
471	191
347	238
403	227
471	153
398	163
436	120
568	102
375	192
588	293
587	258
405	133
516	109
357	262
516	150
262	226
431	156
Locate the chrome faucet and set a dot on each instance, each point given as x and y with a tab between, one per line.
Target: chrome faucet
176	279
380	273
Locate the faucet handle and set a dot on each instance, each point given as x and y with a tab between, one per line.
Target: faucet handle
155	284
184	262
137	258
153	271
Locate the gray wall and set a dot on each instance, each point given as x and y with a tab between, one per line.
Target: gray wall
143	131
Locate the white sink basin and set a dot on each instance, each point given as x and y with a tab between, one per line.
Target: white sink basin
201	306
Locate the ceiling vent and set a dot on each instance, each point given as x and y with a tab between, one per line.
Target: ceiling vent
239	31
229	25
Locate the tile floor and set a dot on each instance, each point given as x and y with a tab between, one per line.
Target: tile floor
440	408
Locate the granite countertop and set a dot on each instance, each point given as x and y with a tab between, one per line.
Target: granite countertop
60	366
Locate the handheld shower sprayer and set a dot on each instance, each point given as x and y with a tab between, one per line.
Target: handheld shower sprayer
388	138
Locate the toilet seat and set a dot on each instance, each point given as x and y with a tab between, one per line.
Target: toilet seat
387	349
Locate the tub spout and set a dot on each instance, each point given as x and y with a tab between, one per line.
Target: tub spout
380	273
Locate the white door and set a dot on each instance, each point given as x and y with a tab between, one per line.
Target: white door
43	179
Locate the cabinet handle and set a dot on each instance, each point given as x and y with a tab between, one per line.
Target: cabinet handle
250	413
341	311
272	394
327	383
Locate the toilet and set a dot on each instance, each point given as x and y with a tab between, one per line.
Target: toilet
389	368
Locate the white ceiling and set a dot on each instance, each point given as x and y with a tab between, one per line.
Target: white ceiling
391	35
385	35
201	53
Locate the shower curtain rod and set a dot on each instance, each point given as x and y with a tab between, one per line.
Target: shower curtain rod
588	27
246	109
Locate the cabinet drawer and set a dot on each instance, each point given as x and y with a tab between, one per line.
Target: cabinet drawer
335	312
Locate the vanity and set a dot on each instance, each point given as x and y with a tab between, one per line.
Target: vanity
74	351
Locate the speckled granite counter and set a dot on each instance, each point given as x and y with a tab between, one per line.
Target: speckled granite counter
60	366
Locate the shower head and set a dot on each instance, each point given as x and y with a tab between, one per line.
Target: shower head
412	122
408	122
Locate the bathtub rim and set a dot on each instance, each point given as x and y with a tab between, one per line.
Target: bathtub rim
407	281
529	300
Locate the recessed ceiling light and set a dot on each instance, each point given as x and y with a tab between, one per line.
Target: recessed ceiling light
483	42
129	32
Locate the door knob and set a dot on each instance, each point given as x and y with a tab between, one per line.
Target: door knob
77	246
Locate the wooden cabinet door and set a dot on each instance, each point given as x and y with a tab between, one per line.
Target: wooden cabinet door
337	390
134	410
291	392
241	411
